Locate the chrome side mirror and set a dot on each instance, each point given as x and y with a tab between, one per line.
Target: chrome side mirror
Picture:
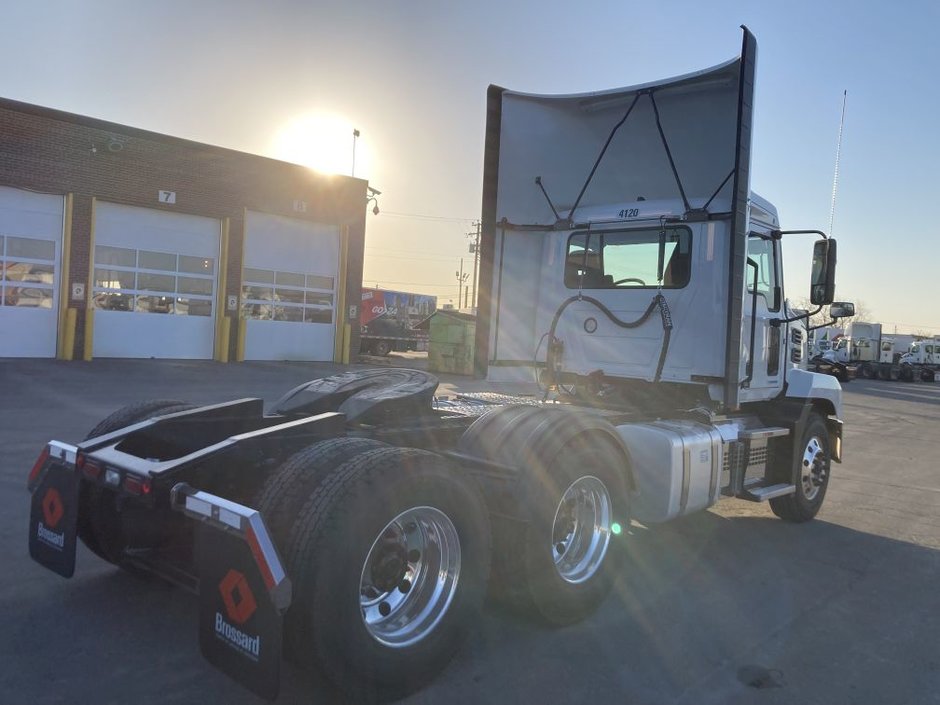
841	309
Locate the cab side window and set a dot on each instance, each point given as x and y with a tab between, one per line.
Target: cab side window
762	252
622	259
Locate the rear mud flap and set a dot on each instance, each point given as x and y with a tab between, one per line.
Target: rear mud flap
243	590
53	517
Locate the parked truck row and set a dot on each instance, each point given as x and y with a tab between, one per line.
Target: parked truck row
359	522
865	352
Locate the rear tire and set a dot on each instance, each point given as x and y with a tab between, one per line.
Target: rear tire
287	489
100	525
374	652
381	348
571	486
812	470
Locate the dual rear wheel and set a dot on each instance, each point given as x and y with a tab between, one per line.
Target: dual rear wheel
389	552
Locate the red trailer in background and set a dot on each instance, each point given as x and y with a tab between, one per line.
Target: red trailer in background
388	320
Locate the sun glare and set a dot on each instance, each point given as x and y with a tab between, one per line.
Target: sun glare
323	142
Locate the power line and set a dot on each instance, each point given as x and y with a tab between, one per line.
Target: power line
386	281
426	216
428	258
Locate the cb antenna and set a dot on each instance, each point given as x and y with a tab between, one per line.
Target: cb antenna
835	175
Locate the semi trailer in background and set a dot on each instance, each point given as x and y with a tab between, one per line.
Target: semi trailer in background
389	319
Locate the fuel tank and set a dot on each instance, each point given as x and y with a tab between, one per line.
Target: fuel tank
677	466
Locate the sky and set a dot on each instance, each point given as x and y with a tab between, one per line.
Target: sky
291	80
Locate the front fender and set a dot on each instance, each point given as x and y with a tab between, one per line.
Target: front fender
813	386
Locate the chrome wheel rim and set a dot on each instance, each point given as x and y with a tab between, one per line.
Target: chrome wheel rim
581	529
409	577
813	468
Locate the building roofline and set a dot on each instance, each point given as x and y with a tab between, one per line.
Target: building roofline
140	133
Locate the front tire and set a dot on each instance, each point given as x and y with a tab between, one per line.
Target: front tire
813	463
390	557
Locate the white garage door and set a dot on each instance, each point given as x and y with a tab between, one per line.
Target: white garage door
289	288
155	279
30	252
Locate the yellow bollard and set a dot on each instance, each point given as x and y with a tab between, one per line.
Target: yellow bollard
68	344
347	333
224	337
240	341
89	334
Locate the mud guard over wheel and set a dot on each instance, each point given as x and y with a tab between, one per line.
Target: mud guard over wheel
552	536
390	558
363	395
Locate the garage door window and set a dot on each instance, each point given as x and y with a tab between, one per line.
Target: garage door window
27	272
153	282
287	296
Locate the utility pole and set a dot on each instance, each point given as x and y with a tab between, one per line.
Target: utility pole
475	249
461	278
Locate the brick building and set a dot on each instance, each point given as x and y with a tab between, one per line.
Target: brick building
118	242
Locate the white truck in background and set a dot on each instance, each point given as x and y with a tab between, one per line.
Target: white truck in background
874	356
921	361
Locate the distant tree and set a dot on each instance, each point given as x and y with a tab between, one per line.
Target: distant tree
821	318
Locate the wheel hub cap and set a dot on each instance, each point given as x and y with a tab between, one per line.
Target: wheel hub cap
581	530
409	577
813	469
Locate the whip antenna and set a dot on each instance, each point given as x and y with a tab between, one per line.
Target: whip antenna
835	175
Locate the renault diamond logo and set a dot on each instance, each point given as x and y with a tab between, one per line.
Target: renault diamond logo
239	601
52	508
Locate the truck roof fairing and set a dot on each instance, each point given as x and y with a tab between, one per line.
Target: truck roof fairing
686	137
658	140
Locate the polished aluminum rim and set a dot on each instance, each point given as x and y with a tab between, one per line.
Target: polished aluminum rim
410	576
813	470
581	530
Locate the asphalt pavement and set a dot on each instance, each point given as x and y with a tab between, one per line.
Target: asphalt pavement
727	606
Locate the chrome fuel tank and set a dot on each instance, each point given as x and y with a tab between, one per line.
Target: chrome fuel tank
677	466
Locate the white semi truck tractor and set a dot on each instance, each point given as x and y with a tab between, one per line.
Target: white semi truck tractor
628	264
359	521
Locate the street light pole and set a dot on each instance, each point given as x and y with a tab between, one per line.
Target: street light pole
355	137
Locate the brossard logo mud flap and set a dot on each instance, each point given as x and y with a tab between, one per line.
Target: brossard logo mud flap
243	590
53	517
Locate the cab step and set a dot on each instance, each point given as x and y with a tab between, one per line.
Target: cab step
757	434
765	492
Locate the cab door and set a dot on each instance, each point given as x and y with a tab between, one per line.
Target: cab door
763	303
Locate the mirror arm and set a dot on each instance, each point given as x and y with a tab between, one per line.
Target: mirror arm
777	234
777	322
830	322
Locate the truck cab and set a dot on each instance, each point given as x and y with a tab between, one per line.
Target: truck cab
623	246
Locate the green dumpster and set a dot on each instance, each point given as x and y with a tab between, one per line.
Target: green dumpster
451	342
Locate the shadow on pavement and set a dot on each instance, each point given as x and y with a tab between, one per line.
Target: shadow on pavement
707	609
